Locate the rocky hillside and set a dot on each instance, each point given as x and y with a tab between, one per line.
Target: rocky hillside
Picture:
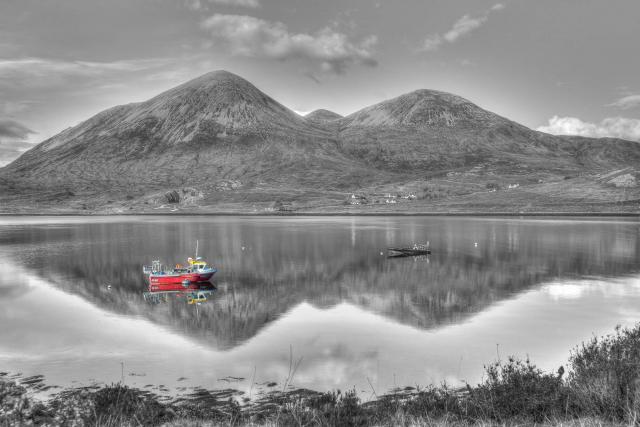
431	131
165	137
219	143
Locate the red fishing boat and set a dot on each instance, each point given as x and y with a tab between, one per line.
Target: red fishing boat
179	278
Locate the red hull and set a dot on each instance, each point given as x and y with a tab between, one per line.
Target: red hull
179	287
181	290
178	282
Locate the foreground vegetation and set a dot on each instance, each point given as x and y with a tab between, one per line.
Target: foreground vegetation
600	387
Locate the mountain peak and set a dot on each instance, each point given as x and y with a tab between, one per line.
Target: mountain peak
215	83
216	77
221	74
422	108
436	96
218	99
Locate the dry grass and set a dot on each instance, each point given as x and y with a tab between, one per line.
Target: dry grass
410	421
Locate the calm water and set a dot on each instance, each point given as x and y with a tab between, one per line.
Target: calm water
317	291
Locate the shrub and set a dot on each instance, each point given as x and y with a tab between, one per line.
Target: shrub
518	390
337	408
605	375
436	402
14	404
120	403
113	405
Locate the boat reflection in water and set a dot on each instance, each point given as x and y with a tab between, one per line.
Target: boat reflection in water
193	294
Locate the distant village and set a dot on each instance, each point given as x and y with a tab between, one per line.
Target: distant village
388	198
623	178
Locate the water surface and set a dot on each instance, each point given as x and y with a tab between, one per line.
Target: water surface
316	292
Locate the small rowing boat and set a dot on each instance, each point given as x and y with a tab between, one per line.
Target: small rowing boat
414	250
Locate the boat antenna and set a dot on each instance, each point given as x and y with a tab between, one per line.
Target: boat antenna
196	249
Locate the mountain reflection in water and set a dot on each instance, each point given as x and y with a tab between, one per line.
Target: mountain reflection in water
325	285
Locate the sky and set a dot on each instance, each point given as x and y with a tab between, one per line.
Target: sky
560	66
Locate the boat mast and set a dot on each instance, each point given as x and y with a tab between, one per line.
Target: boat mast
196	249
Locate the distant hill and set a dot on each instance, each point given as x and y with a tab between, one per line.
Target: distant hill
322	116
219	143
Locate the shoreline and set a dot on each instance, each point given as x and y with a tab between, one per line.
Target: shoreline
600	388
335	214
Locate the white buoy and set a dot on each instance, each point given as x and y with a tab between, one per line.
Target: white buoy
381	253
475	244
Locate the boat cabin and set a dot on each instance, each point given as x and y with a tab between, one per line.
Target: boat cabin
197	264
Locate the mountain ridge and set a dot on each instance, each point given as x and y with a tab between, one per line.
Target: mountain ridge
228	144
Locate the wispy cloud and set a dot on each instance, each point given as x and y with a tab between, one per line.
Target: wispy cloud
461	28
204	4
312	77
10	108
13	130
626	102
613	127
26	83
52	68
12	140
241	3
253	37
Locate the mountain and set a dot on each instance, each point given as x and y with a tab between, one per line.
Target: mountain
430	130
322	116
144	141
216	131
219	143
424	108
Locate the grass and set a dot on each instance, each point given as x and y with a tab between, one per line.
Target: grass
601	387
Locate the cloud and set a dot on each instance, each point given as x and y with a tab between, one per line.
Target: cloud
203	4
432	42
464	26
626	102
13	107
12	140
613	127
241	3
460	28
31	83
312	77
252	37
51	68
14	130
